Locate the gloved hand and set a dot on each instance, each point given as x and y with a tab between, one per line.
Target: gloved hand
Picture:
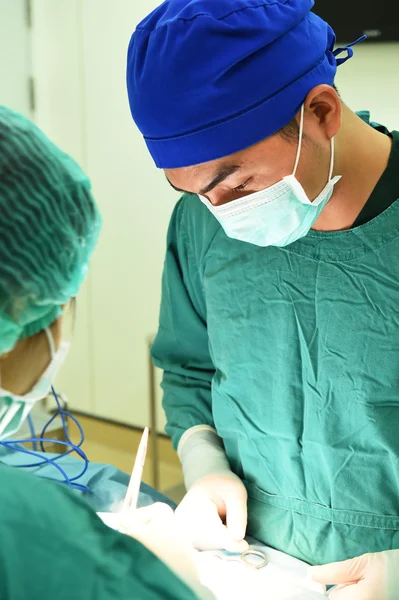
368	577
214	513
156	528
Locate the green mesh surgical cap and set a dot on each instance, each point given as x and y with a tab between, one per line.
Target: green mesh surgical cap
49	225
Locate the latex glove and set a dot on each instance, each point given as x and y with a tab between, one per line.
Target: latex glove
213	513
156	528
368	577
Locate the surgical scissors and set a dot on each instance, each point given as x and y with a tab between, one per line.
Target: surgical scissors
250	558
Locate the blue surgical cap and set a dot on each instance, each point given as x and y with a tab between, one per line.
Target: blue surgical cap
207	78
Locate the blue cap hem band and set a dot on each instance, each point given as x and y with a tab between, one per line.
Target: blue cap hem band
242	131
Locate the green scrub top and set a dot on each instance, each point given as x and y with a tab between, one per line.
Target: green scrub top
53	545
292	355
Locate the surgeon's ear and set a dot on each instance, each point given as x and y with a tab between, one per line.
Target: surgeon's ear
323	108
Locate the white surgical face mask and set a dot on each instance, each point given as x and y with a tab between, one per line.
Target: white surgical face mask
14	408
278	215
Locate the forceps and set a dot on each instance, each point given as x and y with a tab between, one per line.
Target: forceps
133	490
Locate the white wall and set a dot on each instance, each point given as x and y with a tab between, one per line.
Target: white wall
14	56
80	58
136	204
58	63
80	54
370	80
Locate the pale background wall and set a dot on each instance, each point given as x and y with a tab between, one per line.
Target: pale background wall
14	55
79	58
78	53
370	80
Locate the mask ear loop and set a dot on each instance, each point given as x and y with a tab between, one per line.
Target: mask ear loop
298	154
50	340
332	159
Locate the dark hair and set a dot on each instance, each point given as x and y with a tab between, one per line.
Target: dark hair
291	130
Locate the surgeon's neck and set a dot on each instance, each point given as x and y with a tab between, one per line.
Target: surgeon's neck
362	155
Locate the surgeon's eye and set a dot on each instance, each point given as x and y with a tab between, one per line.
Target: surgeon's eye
241	187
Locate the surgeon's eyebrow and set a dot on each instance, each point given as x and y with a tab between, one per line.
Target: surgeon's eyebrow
221	174
174	187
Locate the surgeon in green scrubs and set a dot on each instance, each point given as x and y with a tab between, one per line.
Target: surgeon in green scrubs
279	323
52	544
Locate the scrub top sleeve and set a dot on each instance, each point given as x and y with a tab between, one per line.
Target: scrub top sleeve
181	346
53	545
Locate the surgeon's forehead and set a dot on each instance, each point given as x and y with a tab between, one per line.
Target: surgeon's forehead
266	153
208	167
202	178
226	163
